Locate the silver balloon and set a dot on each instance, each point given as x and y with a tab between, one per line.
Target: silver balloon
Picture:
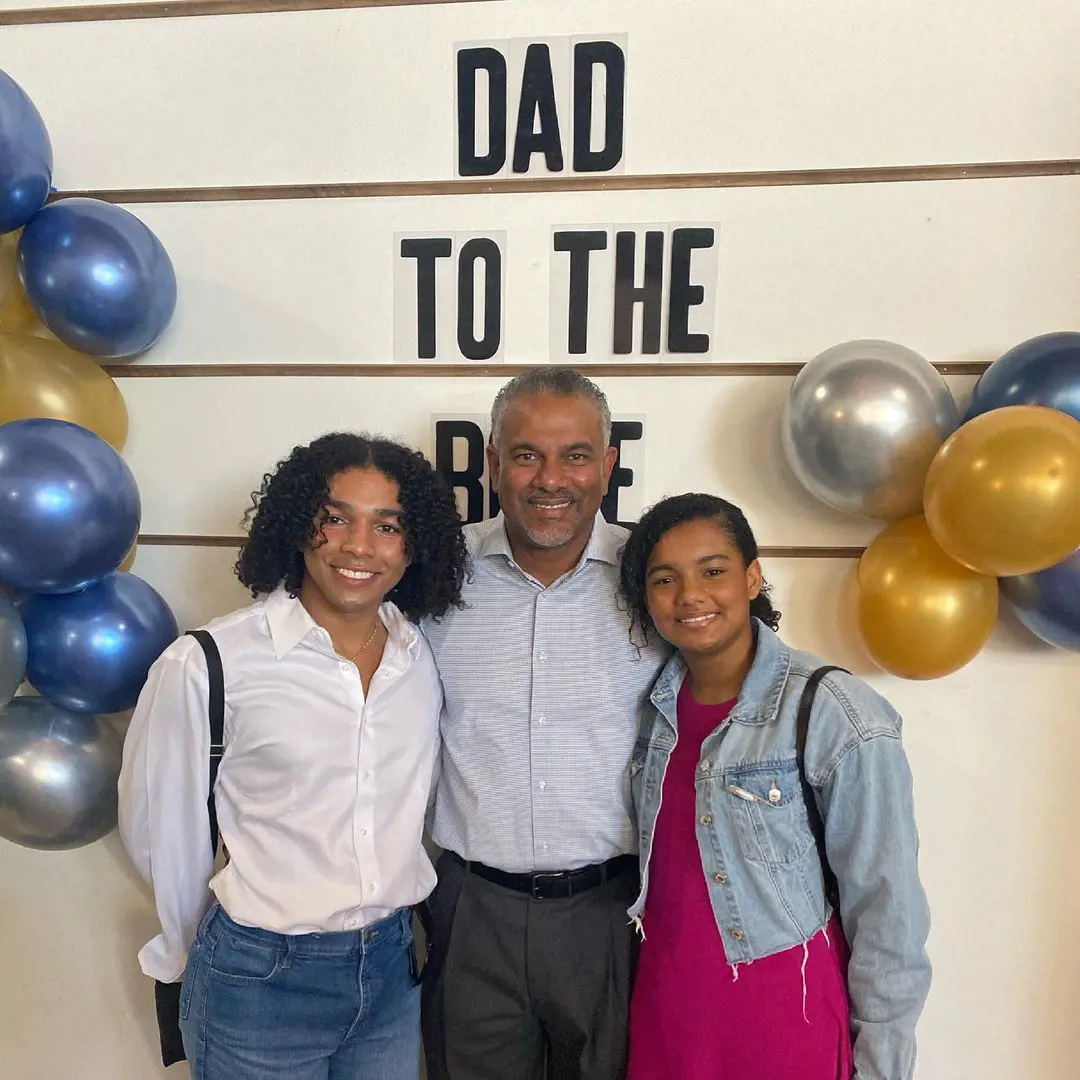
12	650
862	424
58	774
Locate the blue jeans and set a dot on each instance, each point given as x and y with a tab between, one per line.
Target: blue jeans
256	1005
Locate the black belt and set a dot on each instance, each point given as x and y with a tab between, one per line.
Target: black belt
553	885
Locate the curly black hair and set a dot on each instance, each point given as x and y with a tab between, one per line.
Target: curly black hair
659	520
285	516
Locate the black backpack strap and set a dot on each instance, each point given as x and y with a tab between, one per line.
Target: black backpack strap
217	721
167	995
817	826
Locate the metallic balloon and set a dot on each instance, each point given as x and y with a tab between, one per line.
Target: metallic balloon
69	506
16	315
40	378
12	650
90	651
1042	371
97	277
58	775
920	614
1048	602
1003	493
862	424
26	159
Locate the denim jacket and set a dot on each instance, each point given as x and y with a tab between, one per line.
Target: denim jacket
758	854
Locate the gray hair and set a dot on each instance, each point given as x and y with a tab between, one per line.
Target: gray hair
562	381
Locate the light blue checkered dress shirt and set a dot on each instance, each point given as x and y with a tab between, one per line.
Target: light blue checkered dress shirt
543	689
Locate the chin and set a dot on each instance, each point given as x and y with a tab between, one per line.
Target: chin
547	538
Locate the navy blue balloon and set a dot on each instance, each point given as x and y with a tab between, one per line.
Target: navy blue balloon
69	506
1042	371
97	277
26	159
1048	602
89	651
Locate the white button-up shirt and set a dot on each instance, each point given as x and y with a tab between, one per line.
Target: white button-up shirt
544	691
321	792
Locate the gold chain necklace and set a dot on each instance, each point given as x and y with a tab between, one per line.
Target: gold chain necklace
374	631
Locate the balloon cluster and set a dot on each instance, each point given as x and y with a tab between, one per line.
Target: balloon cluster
979	508
73	623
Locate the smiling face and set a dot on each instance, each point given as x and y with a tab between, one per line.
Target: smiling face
551	469
358	554
698	591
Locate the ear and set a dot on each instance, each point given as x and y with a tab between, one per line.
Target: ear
611	455
753	579
493	465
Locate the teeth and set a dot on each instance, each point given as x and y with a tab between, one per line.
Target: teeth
697	619
355	575
552	506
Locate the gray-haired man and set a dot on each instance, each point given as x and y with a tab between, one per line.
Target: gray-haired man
532	952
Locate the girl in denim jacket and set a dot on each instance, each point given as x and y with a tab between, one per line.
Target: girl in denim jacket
747	969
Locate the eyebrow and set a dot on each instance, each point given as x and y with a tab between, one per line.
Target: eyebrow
384	512
562	449
701	561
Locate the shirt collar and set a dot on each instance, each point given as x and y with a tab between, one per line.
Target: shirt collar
603	546
290	623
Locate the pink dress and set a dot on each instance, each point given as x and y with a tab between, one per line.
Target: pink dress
691	1017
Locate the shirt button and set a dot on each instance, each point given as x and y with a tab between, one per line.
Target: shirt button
706	819
737	934
542	656
345	667
367	776
351	924
363	832
541	719
544	845
373	887
542	785
720	879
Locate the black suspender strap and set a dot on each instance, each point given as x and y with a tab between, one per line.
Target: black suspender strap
217	721
817	826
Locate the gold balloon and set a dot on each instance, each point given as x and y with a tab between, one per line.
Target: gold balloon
1003	494
920	614
44	378
129	559
16	314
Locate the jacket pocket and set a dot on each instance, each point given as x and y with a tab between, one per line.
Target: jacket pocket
767	805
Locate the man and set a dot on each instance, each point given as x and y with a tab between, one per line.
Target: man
297	956
532	949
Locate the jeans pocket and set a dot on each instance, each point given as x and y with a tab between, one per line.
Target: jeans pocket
240	962
187	984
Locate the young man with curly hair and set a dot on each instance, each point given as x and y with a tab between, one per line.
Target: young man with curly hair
297	957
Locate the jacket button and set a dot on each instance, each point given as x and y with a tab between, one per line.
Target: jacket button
720	879
706	766
737	934
706	819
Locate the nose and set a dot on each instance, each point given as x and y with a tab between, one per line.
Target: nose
549	475
359	540
688	593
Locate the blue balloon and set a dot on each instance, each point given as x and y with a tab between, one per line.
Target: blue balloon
1048	602
97	277
89	651
1042	371
26	159
69	506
